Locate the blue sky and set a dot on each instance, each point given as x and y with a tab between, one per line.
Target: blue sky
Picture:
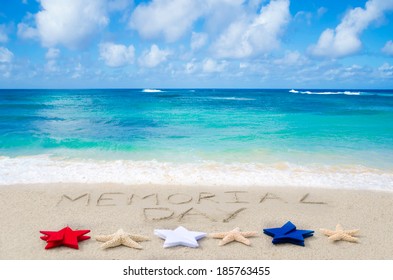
189	44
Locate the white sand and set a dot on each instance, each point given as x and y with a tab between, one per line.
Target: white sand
103	209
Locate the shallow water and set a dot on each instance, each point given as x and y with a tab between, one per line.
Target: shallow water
209	136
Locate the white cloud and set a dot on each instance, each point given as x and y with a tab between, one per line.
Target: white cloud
253	35
171	19
191	67
321	11
5	70
151	58
221	13
166	18
344	39
386	70
212	66
52	53
51	66
291	58
388	48
116	55
198	40
25	30
303	16
66	22
3	34
79	70
6	55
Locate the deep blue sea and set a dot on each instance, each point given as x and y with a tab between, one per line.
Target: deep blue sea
300	137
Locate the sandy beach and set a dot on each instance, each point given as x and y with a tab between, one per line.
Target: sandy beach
105	208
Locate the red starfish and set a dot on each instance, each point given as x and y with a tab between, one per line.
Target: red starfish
65	236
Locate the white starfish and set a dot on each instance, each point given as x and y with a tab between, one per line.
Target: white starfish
234	235
121	238
341	234
180	236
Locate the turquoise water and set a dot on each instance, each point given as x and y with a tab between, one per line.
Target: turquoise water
332	128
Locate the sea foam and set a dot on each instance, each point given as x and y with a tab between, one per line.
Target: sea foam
45	169
151	90
231	98
347	92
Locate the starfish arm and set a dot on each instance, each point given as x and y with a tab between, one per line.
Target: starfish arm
327	232
227	239
111	243
242	239
350	238
103	238
131	243
352	231
249	234
138	238
218	235
337	236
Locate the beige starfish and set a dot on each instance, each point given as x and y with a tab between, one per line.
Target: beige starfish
341	234
121	238
234	235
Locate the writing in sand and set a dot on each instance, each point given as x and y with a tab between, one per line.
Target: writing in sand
213	206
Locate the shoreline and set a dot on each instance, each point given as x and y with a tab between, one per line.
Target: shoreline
105	208
43	169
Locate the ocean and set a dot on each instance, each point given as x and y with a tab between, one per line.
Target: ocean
226	137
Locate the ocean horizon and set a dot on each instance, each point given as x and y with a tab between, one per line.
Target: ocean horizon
337	138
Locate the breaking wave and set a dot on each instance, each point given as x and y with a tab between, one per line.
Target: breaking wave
232	98
151	90
46	169
327	92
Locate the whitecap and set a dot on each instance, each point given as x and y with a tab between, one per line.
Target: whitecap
329	92
151	90
351	92
232	98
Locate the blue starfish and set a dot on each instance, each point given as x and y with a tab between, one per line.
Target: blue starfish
288	234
